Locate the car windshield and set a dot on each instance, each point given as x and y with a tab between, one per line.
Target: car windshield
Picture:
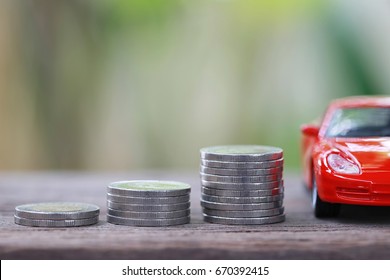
360	122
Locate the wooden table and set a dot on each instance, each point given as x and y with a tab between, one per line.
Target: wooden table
359	232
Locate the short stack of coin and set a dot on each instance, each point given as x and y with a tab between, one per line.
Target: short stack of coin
242	185
57	214
148	203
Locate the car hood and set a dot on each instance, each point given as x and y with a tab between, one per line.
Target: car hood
371	153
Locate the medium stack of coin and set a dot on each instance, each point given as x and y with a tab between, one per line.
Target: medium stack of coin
148	203
57	214
242	185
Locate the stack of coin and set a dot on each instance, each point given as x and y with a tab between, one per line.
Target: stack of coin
242	185
57	214
148	203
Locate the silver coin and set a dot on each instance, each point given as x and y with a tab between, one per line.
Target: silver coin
242	165
240	200
148	215
148	200
242	186
149	188
57	211
244	214
55	223
148	222
242	193
244	221
241	206
240	179
148	208
241	153
241	172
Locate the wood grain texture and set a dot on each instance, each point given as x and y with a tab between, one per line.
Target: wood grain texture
359	232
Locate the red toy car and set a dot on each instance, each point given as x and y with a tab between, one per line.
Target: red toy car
346	159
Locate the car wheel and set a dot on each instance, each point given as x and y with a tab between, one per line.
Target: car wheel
321	208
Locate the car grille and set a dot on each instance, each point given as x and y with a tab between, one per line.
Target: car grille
376	192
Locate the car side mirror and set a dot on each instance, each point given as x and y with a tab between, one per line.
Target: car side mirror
310	130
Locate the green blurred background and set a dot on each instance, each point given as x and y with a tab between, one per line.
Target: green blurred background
133	84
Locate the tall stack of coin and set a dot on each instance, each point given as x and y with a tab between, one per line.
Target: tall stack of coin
242	185
148	203
57	214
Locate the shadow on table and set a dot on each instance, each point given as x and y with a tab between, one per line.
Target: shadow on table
364	214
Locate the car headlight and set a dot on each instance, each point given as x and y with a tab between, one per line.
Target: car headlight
342	165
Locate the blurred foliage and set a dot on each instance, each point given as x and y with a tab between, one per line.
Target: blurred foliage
348	47
145	83
119	14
